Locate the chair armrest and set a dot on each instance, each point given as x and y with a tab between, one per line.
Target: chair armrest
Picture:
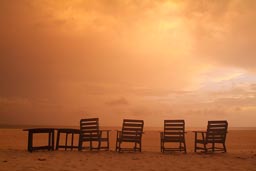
199	131
161	135
118	134
202	134
105	130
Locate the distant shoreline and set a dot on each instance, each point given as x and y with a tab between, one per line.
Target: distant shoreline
110	127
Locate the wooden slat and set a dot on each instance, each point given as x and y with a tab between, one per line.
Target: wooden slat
133	120
166	121
173	133
89	131
90	119
216	122
132	132
130	138
132	129
173	138
217	126
169	129
133	124
85	121
90	127
85	129
88	124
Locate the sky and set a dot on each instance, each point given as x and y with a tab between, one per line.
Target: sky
64	60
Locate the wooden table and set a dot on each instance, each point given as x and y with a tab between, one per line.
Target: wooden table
67	131
32	131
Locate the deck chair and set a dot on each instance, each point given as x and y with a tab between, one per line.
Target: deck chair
174	132
132	131
210	139
90	132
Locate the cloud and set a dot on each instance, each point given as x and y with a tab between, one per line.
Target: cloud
166	57
224	32
121	101
14	101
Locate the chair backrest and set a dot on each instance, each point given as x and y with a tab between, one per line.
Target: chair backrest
216	131
174	128
89	127
132	128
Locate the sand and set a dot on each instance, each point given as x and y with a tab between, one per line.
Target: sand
241	155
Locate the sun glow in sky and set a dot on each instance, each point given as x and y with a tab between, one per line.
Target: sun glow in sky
61	61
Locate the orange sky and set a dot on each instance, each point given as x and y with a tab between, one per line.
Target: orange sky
61	61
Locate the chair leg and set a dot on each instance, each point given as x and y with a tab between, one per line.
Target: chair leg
72	140
195	147
52	140
80	145
90	145
185	148
30	141
161	147
58	140
119	146
66	141
135	146
116	145
49	141
108	142
180	146
99	144
224	146
205	148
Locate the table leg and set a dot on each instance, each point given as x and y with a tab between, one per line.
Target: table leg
72	139
58	140
53	140
30	141
66	141
49	141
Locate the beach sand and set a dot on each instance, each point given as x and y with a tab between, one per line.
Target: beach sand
241	155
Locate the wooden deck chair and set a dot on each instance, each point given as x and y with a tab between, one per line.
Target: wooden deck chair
90	132
132	131
215	134
174	132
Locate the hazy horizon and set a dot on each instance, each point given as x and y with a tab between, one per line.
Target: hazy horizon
61	61
116	127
